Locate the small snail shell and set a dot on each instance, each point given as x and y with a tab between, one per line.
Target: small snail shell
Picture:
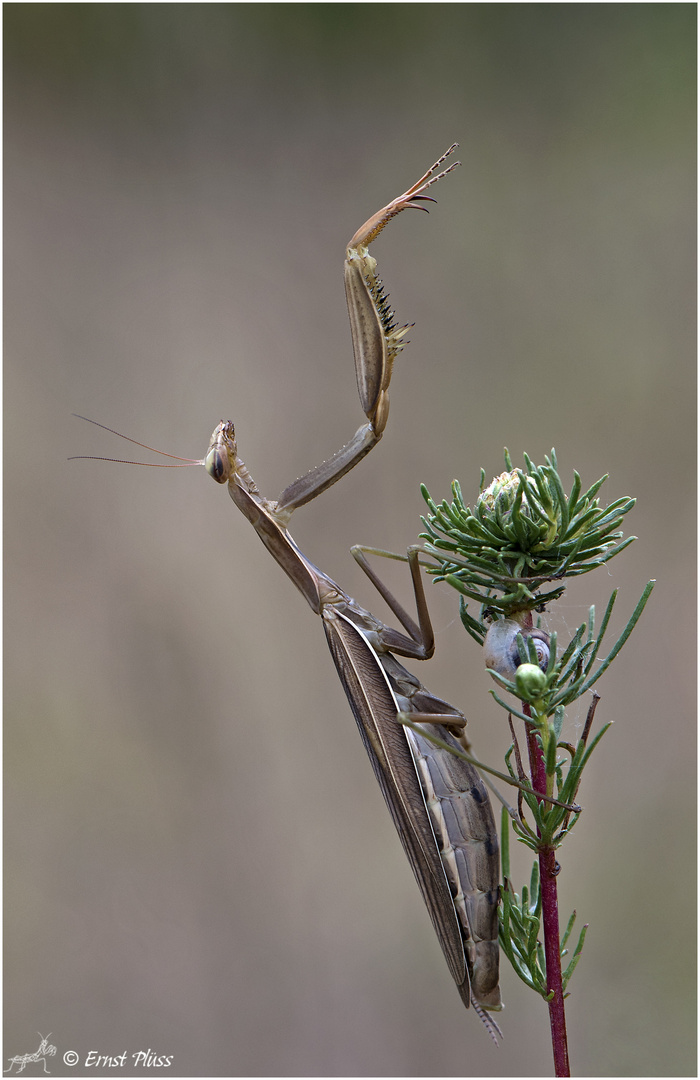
501	651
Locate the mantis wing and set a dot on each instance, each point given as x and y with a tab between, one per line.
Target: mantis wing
374	706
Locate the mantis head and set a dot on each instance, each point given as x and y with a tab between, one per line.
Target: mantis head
220	458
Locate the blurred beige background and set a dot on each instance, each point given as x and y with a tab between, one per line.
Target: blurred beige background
198	859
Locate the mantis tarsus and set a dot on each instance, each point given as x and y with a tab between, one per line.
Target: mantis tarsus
438	802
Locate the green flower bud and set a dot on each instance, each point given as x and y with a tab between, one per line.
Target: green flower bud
506	486
530	682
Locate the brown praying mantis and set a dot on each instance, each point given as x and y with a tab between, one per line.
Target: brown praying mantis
438	801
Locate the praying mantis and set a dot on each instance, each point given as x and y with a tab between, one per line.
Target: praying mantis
438	801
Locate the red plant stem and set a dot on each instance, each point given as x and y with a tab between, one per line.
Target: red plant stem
549	868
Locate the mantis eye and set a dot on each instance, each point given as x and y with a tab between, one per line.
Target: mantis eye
217	464
220	456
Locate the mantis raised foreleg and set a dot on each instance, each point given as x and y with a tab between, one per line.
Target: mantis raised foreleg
376	342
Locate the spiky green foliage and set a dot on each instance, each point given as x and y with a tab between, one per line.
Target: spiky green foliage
574	673
519	926
522	532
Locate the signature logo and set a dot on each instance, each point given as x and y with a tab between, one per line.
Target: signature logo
45	1050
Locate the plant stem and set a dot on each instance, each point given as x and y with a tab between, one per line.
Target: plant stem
550	927
549	869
